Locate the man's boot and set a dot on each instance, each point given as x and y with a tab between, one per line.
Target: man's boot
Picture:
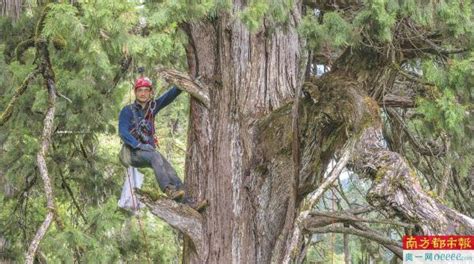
173	193
196	205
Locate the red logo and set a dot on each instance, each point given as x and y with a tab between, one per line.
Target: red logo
438	242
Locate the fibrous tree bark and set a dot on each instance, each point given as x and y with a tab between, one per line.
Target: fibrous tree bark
240	154
11	8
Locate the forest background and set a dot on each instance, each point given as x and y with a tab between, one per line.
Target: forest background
94	49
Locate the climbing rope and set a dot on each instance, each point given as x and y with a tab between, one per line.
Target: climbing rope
135	205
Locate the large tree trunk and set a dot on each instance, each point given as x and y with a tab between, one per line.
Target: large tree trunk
247	181
242	155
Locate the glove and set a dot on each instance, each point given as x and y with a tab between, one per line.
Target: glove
145	147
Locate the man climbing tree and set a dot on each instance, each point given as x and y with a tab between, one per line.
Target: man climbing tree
137	130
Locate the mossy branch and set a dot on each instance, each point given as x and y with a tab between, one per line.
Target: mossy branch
40	24
7	113
125	63
19	50
22	47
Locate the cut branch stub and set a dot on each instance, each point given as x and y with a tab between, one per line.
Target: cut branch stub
179	216
186	83
393	100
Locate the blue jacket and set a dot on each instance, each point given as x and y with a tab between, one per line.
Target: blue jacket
145	117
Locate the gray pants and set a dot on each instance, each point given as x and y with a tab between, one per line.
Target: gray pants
164	172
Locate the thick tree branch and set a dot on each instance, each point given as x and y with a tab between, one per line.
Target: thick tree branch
344	217
396	189
179	216
186	83
6	114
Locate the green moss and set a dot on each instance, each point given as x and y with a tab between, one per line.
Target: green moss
150	193
380	175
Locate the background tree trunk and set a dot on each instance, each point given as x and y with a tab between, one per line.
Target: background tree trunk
347	250
11	8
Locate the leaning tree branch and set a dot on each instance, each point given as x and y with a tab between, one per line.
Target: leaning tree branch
410	76
295	242
71	194
439	150
179	216
63	96
41	161
336	171
6	114
347	217
344	217
392	245
331	219
186	83
438	50
125	63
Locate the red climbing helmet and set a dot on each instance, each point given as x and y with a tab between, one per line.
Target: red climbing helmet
142	82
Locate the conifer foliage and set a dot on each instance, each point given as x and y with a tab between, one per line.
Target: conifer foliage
94	49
